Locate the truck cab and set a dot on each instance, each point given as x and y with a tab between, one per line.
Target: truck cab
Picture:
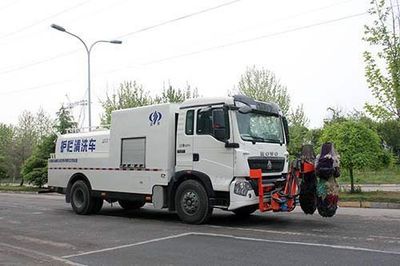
223	138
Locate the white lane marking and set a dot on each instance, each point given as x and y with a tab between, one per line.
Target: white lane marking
267	231
299	243
40	254
128	245
386	237
370	238
342	247
42	241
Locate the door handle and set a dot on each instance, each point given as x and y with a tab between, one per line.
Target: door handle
196	157
231	144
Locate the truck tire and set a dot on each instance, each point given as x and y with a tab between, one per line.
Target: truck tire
81	201
97	203
191	202
131	205
245	211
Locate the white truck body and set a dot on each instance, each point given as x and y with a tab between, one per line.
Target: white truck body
149	150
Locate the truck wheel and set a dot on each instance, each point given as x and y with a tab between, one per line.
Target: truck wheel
97	203
245	211
131	205
80	198
191	202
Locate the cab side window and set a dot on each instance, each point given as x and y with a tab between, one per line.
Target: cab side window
189	124
213	122
204	122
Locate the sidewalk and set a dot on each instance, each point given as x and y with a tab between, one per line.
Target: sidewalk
373	187
367	204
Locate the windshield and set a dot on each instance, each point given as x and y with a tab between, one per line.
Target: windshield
258	127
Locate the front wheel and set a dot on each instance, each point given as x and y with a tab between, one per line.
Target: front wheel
191	202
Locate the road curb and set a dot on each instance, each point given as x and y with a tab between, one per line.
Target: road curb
18	192
369	204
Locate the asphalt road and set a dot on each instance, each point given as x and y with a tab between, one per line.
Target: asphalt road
42	229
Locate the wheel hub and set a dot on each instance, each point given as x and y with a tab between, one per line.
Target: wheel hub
190	202
78	198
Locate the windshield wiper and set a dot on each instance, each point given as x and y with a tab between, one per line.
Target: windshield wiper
254	139
273	140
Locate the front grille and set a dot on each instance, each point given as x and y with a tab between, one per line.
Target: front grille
267	164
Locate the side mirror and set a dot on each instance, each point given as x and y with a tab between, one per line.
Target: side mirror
220	130
286	129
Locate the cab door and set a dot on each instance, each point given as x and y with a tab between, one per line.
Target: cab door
184	143
210	156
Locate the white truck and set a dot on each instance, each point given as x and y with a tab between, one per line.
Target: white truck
189	157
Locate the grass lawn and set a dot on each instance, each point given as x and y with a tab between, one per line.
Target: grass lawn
17	188
375	196
383	176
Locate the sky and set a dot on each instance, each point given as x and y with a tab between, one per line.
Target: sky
314	47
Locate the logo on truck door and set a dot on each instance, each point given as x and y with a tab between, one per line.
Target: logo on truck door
155	118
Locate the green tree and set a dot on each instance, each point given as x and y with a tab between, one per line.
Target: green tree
34	170
383	62
314	135
43	123
262	84
172	95
336	115
389	131
64	120
6	145
3	168
26	138
358	146
299	133
129	94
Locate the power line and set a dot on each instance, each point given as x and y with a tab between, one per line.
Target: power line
9	5
122	36
244	41
37	87
211	48
42	20
178	18
14	69
306	12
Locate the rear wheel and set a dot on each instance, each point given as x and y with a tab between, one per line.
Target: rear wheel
131	205
81	201
97	203
245	211
191	202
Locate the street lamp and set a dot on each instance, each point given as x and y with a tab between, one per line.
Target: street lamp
88	50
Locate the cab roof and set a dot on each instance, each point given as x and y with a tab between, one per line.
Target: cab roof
206	101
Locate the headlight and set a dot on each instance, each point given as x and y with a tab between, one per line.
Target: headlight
242	187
